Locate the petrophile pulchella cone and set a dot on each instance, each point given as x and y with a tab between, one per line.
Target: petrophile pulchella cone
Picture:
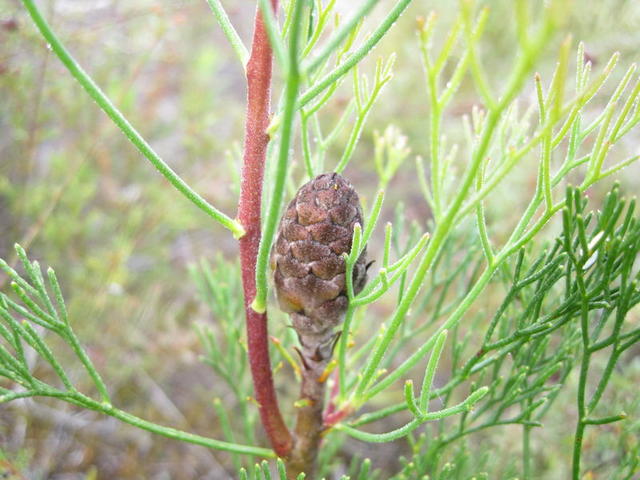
309	269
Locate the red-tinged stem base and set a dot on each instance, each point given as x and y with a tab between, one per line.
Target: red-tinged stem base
249	209
270	416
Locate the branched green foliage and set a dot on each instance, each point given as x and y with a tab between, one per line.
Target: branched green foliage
573	298
602	259
498	140
225	347
24	324
38	310
263	471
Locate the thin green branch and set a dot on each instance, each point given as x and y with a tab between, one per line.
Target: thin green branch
430	372
382	77
168	431
464	406
320	25
232	36
336	40
353	59
123	124
275	36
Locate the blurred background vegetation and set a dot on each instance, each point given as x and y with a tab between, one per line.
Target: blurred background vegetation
79	197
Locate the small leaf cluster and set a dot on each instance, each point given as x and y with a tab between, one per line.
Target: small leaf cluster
39	312
264	471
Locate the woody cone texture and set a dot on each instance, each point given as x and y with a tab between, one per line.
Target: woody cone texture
309	269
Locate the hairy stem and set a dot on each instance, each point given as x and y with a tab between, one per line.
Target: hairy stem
255	151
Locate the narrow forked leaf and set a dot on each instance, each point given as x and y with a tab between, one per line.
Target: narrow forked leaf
403	262
230	32
372	219
287	356
223	416
628	105
352	258
601	145
619	166
425	31
388	233
57	292
282	472
540	96
7	335
605	420
275	36
17	278
430	372
447	47
535	405
357	55
10	374
622	85
42	289
356	245
18	371
556	93
522	23
518	267
582	236
386	284
364	470
410	399
401	432
580	67
397	270
590	92
345	30
18	333
37	271
28	267
45	352
587	76
266	473
475	397
317	29
39	316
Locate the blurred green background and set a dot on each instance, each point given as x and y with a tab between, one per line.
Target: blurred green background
79	197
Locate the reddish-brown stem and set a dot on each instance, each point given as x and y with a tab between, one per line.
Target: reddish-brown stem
308	428
255	150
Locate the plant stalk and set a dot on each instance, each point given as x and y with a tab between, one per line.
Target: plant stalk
309	421
258	73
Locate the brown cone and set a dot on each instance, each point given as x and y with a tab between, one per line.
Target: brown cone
309	270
